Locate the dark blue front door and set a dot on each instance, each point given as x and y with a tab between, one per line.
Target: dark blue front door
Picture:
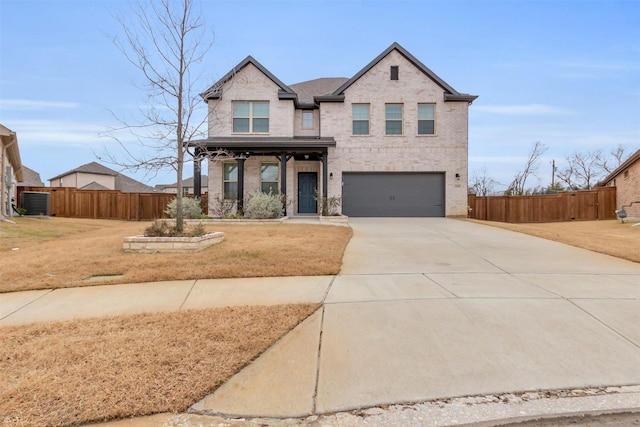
307	185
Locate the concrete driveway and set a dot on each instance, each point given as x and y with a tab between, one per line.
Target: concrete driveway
437	308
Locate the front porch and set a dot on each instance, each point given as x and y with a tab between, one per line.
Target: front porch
301	162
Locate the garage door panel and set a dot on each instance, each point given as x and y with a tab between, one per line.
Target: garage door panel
393	194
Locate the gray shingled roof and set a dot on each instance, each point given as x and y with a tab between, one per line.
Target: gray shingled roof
185	183
31	178
317	87
122	182
94	186
130	185
93	167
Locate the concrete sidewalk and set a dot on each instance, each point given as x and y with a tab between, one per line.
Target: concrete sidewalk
424	309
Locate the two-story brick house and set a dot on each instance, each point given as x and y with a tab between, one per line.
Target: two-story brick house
392	140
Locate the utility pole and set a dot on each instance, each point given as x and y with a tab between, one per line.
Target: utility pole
553	174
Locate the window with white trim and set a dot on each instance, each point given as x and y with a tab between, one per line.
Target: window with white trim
360	117
269	178
230	180
426	119
251	116
393	119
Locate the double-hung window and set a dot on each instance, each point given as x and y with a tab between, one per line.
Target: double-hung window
426	119
393	116
230	179
269	178
251	116
360	116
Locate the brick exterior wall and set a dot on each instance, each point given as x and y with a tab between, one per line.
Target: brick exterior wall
250	84
627	184
445	152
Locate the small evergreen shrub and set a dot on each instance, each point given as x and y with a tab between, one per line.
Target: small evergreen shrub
191	208
264	206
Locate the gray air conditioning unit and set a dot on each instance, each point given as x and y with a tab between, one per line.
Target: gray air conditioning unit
35	202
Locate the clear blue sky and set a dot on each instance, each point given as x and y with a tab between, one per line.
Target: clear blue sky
565	73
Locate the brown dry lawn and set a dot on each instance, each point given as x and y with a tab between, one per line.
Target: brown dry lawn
71	373
610	237
64	252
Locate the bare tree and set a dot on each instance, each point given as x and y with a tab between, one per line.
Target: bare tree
481	184
518	185
164	40
582	170
615	159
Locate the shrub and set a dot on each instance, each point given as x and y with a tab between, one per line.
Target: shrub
159	228
221	207
330	205
191	208
264	206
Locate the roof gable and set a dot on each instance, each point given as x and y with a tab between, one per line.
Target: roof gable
635	157
450	93
215	91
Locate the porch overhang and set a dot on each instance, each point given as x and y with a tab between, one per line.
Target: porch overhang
266	145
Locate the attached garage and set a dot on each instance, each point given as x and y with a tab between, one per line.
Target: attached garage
393	194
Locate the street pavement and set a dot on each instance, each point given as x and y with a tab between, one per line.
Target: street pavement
423	310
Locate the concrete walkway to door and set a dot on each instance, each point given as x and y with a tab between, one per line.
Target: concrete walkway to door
436	308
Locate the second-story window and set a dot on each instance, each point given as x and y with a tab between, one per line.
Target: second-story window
360	115
251	116
426	119
393	116
307	120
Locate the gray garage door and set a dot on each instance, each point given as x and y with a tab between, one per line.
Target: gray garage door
393	194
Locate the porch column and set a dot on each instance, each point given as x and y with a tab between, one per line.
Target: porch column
325	175
197	175
283	179
240	200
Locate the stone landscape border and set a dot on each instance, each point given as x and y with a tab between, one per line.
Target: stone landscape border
142	244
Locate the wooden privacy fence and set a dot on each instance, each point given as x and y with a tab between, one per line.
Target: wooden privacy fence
105	204
599	203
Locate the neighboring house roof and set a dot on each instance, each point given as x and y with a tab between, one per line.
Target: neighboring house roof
623	166
31	178
185	183
94	186
130	185
122	182
450	93
10	143
318	87
215	91
93	168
